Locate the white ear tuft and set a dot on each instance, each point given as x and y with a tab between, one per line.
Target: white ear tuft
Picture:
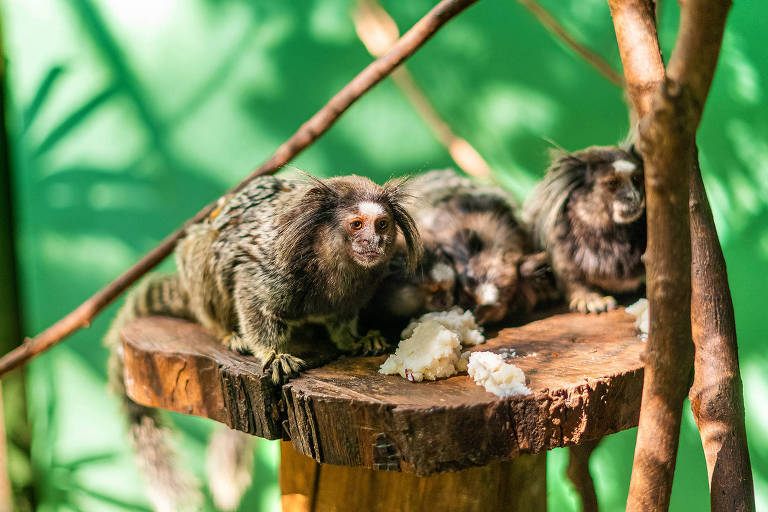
624	166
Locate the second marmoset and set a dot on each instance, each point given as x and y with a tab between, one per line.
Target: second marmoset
475	226
588	213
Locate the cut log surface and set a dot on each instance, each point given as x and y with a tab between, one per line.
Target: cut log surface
585	374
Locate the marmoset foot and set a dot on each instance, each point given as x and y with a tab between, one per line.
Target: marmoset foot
591	302
372	344
283	367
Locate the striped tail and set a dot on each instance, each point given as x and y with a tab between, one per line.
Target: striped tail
169	489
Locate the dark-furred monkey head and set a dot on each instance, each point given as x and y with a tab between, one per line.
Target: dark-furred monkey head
350	223
613	189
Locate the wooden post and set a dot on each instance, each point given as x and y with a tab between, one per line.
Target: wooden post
307	486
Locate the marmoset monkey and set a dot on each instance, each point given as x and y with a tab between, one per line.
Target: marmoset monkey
275	256
588	213
476	227
404	295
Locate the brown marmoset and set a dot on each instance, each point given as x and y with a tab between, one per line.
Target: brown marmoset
475	226
404	295
588	213
274	257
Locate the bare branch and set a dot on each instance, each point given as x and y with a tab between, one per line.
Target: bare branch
308	133
578	473
717	398
716	394
378	31
666	139
635	26
552	25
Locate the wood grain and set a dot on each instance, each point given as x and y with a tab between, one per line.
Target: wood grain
502	486
585	375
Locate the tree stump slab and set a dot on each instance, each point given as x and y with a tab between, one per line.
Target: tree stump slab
584	372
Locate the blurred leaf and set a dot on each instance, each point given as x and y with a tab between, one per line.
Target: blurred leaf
41	95
74	119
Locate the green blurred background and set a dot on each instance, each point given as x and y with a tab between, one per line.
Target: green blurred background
127	116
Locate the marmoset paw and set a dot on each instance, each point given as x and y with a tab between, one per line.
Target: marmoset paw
235	342
283	367
372	344
590	302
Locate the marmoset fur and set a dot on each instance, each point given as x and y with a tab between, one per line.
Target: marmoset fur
476	227
404	295
588	213
274	257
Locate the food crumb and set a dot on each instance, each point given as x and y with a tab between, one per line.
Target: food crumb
641	312
430	353
489	370
461	322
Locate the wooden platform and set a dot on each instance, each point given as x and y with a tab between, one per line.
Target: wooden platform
585	374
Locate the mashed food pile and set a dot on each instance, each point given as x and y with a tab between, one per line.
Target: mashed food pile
641	313
490	371
431	348
461	323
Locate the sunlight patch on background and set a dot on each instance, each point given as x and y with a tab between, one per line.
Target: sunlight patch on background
330	23
463	40
149	14
756	381
385	124
107	138
743	77
101	257
512	109
751	150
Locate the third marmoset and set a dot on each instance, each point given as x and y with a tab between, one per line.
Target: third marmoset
588	213
475	226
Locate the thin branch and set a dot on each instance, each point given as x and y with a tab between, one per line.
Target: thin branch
639	49
552	25
308	133
578	473
378	32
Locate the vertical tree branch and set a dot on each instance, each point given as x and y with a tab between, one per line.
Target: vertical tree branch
635	26
716	395
666	141
307	133
578	473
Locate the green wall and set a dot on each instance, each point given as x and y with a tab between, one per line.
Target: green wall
127	116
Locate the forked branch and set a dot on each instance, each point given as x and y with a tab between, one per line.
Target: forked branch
716	395
308	133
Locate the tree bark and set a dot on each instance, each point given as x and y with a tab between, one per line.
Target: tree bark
578	473
307	133
716	395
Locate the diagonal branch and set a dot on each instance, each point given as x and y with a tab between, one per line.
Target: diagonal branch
307	133
552	25
378	32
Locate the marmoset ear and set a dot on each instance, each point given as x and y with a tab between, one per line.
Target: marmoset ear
394	195
299	224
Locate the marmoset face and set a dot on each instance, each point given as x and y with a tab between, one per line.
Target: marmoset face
621	187
370	233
